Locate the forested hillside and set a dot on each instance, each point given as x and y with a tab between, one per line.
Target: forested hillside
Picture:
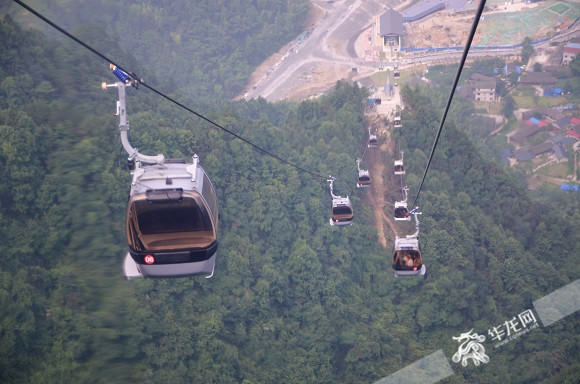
293	299
203	48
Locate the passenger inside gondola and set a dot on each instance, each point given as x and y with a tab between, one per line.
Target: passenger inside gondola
364	180
401	213
407	260
342	212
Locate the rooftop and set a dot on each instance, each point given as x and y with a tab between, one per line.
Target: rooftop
538	78
541	148
391	23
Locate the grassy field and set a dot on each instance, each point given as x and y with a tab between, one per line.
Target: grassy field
559	8
526	98
557	170
490	108
542	20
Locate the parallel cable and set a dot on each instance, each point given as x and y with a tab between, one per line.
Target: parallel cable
455	82
140	81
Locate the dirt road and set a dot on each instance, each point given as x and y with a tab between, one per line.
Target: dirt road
379	170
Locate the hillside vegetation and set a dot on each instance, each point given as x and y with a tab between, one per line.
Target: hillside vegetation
293	299
201	48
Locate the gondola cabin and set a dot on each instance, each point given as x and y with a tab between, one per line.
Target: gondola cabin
399	168
172	221
373	141
401	211
397	122
341	211
396	73
407	258
364	180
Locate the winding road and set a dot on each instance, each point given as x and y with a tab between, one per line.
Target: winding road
329	44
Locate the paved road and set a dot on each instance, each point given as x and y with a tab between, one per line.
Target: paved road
341	21
327	43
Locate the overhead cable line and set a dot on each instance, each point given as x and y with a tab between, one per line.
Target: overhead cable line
140	81
455	82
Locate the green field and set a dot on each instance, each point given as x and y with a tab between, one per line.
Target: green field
559	8
538	101
536	22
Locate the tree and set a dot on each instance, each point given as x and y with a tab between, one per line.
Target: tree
527	50
537	67
513	77
500	87
575	65
509	105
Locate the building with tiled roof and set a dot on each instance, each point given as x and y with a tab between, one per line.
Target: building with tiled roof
538	78
484	87
540	149
570	52
525	132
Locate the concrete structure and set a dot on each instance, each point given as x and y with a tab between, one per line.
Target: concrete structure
483	87
389	29
421	9
570	52
480	88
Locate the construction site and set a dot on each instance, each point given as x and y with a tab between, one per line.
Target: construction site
503	23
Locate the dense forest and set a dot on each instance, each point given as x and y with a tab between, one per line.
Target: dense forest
293	299
204	48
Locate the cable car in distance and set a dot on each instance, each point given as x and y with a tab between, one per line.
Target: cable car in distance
399	168
341	213
397	122
407	257
364	179
401	210
172	214
373	140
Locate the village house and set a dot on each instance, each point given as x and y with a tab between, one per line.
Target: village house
483	87
543	79
570	52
